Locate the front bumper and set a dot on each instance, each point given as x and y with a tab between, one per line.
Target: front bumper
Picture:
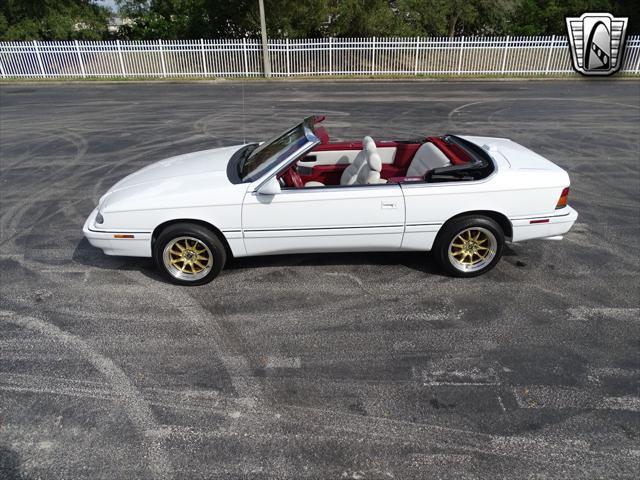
139	245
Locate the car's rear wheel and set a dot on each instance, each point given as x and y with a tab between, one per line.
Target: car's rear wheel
469	246
189	254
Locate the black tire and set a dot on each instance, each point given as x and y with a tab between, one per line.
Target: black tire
468	226
183	236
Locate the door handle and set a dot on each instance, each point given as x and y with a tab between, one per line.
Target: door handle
389	205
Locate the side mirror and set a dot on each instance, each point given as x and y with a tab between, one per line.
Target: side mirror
271	187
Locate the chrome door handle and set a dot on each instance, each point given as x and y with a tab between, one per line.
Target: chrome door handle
389	205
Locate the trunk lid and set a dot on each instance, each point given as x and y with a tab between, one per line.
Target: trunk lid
517	156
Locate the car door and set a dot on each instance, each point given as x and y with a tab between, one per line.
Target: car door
330	219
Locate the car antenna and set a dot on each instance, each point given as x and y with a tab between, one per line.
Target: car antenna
244	136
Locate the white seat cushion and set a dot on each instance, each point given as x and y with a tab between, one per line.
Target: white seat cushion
364	169
350	174
353	174
427	158
314	184
374	161
370	173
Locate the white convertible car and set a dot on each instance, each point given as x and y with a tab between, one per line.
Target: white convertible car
458	196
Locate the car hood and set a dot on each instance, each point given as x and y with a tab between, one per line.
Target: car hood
179	181
202	162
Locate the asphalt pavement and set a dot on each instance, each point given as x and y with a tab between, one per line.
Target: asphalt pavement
336	366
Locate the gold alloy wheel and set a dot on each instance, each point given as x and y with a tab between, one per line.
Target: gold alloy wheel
472	249
187	258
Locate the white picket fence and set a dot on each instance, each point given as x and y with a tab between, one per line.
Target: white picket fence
297	57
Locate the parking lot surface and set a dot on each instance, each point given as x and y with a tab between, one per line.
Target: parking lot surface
361	366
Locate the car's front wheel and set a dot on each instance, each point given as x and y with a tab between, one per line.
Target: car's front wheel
469	246
189	254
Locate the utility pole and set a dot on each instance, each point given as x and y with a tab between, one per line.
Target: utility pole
265	48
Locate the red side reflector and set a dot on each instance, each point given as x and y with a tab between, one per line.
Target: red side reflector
562	201
123	235
542	220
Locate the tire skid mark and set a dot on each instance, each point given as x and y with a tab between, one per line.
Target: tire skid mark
353	278
14	216
460	108
532	449
333	424
35	223
81	183
237	367
130	398
200	400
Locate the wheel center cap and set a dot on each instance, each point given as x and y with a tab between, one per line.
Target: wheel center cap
188	255
470	247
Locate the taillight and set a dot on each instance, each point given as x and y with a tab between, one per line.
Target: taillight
562	201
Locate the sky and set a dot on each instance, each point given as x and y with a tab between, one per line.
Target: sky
108	3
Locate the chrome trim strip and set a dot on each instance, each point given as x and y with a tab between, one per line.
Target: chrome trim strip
132	232
540	216
294	229
334	187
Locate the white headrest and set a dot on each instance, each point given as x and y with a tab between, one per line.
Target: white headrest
375	162
368	144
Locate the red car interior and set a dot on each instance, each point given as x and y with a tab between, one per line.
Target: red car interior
322	134
394	172
454	153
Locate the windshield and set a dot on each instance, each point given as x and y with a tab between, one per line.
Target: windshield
272	152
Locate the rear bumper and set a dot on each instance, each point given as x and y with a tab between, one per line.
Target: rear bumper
137	246
553	225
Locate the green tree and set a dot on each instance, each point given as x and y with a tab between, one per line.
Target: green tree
52	20
172	19
294	18
547	17
455	17
222	18
184	19
364	18
630	9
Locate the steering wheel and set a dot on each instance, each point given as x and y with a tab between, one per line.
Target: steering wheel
292	177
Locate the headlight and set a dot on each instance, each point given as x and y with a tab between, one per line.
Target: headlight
99	219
